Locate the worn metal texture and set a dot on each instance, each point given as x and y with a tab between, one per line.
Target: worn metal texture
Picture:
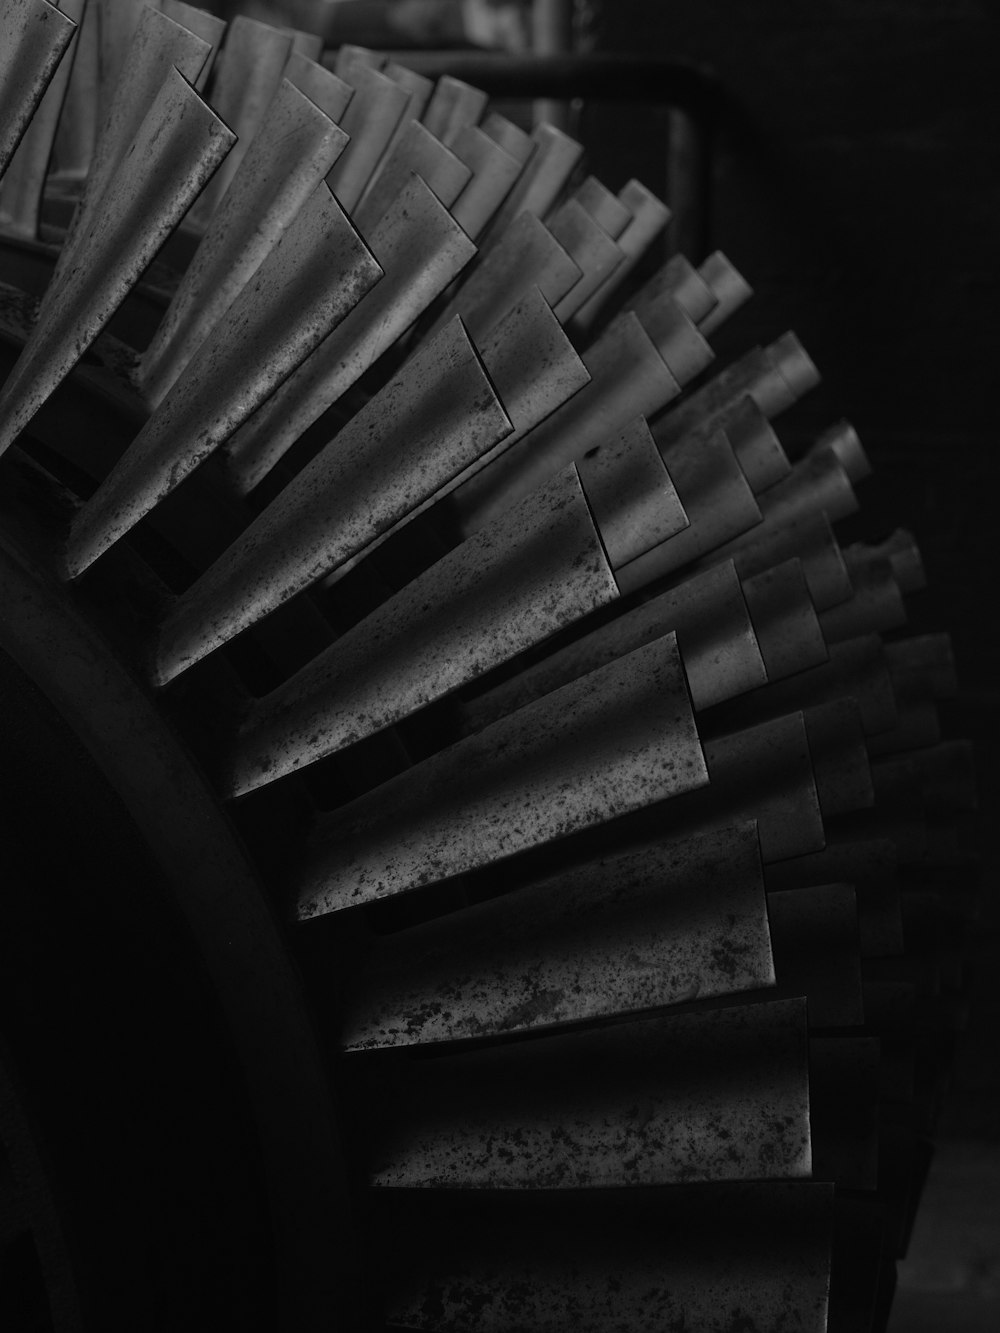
453	105
330	93
349	57
209	27
416	151
510	137
784	620
614	741
657	926
248	72
627	377
536	570
708	615
875	606
591	249
371	119
607	210
420	249
756	445
630	493
839	757
528	256
649	217
728	1257
814	935
714	1096
317	271
422	428
679	281
117	23
420	90
160	50
77	128
492	174
871	866
729	287
810	539
717	500
763	772
290	155
677	339
143	202
541	181
775	377
36	57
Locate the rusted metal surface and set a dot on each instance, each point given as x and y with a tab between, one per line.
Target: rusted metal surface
814	934
871	866
591	249
420	249
536	570
528	256
492	170
657	926
436	414
712	1096
650	216
708	615
875	606
143	202
627	377
372	117
729	287
36	57
617	740
607	210
319	84
316	272
453	105
416	151
630	493
717	500
248	72
293	151
541	181
763	772
736	1256
784	620
810	539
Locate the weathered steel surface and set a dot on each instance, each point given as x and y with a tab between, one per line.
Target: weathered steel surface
528	256
416	151
756	445
729	287
679	281
708	615
350	58
717	500
616	740
591	249
811	540
839	757
436	414
763	772
872	867
649	216
713	1096
607	210
420	91
536	570
36	58
661	925
493	172
371	119
784	620
420	249
630	493
452	106
209	27
247	74
730	1257
541	181
292	152
814	934
875	606
316	272
143	202
628	377
330	93
677	339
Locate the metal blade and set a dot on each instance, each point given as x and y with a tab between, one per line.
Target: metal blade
730	289
76	131
143	202
677	339
784	620
423	427
814	934
452	106
317	271
536	570
541	180
679	281
617	740
350	58
607	210
713	1096
419	89
416	151
650	216
319	84
811	539
209	27
756	445
839	756
902	554
876	606
371	119
295	148
923	667
591	249
653	927
510	137
493	172
420	249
